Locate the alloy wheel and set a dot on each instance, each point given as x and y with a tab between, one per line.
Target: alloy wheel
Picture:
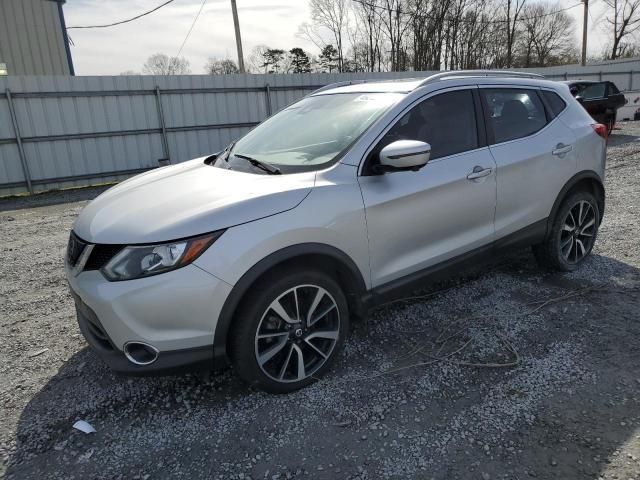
297	333
578	232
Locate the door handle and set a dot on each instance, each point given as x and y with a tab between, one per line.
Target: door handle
479	172
561	149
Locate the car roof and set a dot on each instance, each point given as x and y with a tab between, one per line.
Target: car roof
408	85
404	85
575	82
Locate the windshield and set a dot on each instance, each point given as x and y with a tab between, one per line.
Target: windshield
311	133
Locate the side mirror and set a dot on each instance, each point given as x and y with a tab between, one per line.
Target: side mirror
580	99
404	155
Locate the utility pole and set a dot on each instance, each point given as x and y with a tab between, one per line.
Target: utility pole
614	54
236	24
584	32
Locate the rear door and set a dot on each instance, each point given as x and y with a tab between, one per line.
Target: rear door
534	153
616	98
594	100
418	219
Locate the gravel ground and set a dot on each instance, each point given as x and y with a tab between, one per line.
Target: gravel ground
568	409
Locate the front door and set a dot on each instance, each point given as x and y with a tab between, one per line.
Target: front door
418	219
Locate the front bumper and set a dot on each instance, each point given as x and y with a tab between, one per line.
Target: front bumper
176	312
169	362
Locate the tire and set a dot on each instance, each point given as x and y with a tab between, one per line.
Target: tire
269	337
565	246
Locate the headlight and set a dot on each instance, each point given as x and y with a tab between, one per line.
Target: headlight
145	260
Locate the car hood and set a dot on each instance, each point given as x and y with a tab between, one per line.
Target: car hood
185	200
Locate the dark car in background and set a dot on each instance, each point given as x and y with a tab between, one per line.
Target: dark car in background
601	99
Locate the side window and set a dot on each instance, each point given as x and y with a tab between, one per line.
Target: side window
513	113
594	90
575	88
446	121
613	90
554	101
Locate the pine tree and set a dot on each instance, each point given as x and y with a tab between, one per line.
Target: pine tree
329	58
273	58
300	62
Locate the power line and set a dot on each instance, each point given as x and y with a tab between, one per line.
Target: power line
124	21
463	20
191	29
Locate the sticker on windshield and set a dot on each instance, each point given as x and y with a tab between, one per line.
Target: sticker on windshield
365	98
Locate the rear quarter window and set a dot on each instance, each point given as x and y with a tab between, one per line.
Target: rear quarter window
554	101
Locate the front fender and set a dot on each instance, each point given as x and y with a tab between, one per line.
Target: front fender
240	289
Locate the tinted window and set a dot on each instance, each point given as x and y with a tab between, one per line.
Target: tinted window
555	102
575	88
593	90
447	122
613	90
514	113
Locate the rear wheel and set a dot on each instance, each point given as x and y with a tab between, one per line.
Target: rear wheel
572	234
289	330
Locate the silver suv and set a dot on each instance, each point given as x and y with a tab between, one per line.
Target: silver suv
261	254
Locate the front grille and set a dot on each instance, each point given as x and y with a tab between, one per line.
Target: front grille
101	255
75	247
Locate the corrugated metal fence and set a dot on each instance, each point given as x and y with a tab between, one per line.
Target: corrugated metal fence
59	132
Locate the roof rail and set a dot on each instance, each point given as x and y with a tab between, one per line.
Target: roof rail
336	85
477	73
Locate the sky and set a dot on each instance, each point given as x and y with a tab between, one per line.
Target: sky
110	51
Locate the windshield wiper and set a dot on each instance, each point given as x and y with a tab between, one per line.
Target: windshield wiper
223	155
227	151
267	167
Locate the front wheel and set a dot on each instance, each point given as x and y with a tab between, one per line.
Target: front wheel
572	234
289	330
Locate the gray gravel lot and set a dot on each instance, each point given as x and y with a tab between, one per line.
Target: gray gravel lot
568	409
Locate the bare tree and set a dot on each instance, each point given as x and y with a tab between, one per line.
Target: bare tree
220	66
477	40
396	20
625	20
332	15
455	23
428	33
547	35
311	33
451	34
513	11
628	50
367	15
256	58
161	64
